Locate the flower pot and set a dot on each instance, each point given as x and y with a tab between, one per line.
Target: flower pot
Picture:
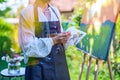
14	67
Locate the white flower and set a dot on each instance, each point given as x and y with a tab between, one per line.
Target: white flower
3	58
14	59
21	58
7	58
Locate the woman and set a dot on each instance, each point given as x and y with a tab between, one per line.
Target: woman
41	39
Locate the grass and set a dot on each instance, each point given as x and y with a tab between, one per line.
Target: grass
74	60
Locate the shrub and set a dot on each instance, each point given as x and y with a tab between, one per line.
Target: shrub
5	37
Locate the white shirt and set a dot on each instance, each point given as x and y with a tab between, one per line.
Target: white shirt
31	45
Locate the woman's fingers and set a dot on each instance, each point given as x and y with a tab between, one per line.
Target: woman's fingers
61	37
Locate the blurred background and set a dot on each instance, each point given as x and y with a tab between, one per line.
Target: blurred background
71	12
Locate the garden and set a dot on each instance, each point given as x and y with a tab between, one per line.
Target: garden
9	45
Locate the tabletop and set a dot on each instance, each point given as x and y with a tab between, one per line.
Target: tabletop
5	73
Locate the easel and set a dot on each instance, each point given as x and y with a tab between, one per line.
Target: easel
96	16
96	68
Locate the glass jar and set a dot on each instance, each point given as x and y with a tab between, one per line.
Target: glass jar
14	67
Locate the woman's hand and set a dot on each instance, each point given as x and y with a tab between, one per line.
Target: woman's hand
61	38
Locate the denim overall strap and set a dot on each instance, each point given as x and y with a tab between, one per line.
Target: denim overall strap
54	12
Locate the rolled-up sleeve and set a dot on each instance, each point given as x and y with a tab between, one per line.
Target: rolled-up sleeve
31	45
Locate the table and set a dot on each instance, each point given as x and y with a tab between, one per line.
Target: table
4	73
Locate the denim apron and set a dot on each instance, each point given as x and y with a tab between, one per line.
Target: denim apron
53	66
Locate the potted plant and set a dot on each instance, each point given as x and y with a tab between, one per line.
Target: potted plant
13	61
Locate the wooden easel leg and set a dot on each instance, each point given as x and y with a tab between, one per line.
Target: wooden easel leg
110	69
96	69
88	69
81	68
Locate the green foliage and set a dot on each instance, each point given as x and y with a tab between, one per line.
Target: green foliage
76	17
4	13
5	28
118	28
74	60
5	37
2	1
116	61
65	25
75	20
5	44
